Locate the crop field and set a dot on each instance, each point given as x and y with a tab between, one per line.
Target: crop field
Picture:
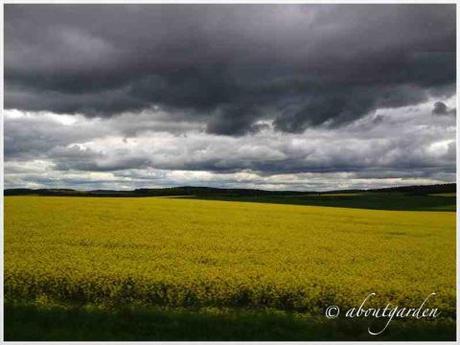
207	258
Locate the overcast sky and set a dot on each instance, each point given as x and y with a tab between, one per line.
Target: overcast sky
299	97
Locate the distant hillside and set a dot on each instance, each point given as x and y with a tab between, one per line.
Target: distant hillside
432	189
208	191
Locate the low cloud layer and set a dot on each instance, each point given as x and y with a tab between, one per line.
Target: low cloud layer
404	146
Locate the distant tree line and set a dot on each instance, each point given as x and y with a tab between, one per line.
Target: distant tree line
208	191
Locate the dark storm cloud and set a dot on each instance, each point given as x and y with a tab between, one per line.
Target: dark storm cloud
441	108
229	66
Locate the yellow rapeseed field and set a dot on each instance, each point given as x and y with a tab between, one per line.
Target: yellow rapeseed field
181	252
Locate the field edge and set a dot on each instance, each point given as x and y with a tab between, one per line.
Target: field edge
30	321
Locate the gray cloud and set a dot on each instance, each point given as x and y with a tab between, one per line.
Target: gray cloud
229	68
406	145
256	96
441	108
